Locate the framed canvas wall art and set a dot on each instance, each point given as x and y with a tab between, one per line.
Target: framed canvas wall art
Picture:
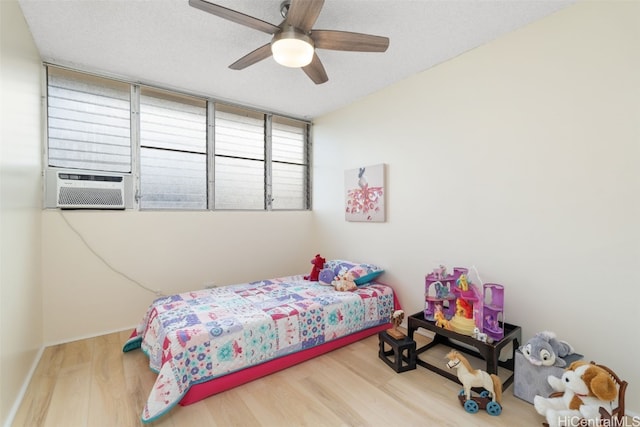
365	194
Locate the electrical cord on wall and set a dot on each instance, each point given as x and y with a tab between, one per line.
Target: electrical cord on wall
105	262
478	275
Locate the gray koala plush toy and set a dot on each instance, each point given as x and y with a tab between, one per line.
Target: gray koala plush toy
544	349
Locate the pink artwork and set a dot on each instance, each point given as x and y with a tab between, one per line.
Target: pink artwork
365	194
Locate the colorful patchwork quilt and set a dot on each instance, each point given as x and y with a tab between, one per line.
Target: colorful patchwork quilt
197	336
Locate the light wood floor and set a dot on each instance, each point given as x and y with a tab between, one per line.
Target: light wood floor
92	383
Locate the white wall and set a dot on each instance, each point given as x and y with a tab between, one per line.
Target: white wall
167	251
20	196
519	157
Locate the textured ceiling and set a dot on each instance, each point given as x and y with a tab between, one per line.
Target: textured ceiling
170	44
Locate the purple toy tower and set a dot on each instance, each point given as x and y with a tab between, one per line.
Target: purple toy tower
438	288
493	312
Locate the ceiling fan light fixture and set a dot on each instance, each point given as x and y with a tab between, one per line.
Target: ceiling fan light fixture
292	48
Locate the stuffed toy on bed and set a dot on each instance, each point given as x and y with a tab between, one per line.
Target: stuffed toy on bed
345	282
318	264
326	276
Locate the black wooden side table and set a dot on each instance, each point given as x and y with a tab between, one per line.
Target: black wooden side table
488	351
403	352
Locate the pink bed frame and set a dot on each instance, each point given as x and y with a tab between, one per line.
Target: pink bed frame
203	390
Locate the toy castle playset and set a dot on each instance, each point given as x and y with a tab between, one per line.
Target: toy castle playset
453	302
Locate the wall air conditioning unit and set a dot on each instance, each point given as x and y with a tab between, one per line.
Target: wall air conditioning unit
89	190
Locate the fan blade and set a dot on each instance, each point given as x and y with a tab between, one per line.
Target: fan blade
257	55
316	71
233	16
345	40
302	14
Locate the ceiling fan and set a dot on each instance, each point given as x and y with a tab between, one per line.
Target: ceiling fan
294	41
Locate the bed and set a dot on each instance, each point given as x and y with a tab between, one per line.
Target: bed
204	342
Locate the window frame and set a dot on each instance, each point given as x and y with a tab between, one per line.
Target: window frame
211	103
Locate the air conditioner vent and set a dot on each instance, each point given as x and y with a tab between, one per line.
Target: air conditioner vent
90	191
90	196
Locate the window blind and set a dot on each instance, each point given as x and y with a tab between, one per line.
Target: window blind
88	122
242	159
239	158
173	151
289	164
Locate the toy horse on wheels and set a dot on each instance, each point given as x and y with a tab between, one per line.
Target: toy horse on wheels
489	399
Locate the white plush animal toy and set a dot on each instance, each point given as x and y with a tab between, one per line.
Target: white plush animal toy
345	282
586	388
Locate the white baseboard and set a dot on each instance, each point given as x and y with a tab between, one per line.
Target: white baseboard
23	389
84	337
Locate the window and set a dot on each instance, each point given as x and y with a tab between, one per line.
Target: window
243	145
181	151
88	122
173	151
239	159
289	164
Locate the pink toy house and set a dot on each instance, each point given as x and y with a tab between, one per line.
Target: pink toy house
487	303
